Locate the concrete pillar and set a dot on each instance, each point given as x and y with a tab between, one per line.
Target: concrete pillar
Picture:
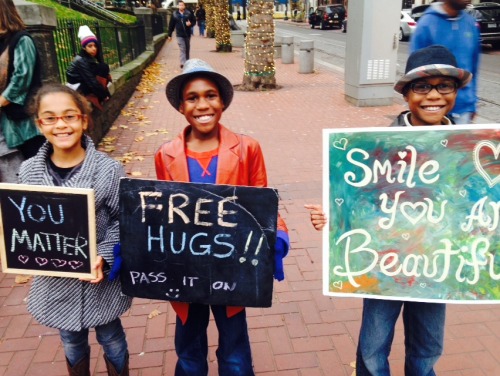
306	56
165	14
145	16
278	40
287	50
41	22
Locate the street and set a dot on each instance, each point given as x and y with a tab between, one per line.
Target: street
329	49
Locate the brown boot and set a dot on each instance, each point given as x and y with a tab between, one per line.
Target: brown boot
82	368
112	370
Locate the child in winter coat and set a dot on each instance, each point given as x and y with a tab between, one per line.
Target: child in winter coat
73	306
88	73
208	152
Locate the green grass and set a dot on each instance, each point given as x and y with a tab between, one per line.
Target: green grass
64	12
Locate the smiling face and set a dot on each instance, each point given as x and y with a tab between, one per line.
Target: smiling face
202	107
65	135
430	108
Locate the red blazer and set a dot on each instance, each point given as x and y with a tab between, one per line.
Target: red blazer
240	162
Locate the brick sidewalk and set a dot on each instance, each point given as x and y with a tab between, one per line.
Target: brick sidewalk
304	332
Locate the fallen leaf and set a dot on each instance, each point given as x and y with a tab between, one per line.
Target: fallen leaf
154	313
124	126
139	158
136	173
139	139
20	279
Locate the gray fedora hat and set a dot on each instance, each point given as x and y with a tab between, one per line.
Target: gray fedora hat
430	62
198	68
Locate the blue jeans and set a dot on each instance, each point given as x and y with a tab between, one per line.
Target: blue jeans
464	118
424	336
191	344
201	26
110	336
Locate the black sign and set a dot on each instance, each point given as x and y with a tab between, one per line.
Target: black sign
47	230
198	243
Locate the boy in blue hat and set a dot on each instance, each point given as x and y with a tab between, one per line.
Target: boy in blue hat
208	152
429	86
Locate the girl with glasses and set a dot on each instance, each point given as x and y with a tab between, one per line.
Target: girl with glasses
73	306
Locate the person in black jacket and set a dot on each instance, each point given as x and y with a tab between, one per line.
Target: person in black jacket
182	21
201	19
88	73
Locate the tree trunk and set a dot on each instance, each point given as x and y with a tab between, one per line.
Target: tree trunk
210	19
259	47
222	28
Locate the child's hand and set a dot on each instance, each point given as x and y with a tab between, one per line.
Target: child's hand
318	217
99	263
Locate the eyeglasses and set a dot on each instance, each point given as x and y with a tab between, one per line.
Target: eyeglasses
425	88
68	119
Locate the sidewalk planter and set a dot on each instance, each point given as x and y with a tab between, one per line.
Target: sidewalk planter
238	38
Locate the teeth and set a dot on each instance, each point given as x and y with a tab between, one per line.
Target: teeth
204	118
432	108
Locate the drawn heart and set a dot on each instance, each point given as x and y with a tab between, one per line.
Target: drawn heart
75	264
340	144
339	201
423	285
23	259
489	161
338	285
444	143
405	236
58	263
413	211
402	154
462	192
41	261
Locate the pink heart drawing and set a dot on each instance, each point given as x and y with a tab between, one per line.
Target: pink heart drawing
58	263
41	261
24	259
75	264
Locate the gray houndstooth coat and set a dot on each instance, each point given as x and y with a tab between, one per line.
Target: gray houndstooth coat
68	303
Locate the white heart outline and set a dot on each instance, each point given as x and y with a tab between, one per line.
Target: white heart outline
477	162
414	207
462	192
341	144
23	258
338	285
444	142
339	201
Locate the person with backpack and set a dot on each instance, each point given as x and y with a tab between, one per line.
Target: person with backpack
182	21
20	77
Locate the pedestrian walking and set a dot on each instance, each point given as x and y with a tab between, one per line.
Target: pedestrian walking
201	19
182	21
446	23
73	306
430	86
207	152
20	77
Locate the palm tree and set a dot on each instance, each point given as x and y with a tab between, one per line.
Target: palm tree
259	47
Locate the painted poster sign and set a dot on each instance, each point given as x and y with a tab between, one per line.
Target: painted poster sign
414	213
198	243
47	230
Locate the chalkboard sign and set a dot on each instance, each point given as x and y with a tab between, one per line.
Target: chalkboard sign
198	243
47	230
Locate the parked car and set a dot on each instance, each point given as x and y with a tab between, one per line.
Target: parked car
418	11
406	26
327	16
487	17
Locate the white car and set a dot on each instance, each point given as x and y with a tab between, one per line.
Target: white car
407	25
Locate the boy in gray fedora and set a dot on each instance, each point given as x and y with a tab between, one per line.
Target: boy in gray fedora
429	86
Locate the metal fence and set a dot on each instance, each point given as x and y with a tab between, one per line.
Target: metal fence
120	43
